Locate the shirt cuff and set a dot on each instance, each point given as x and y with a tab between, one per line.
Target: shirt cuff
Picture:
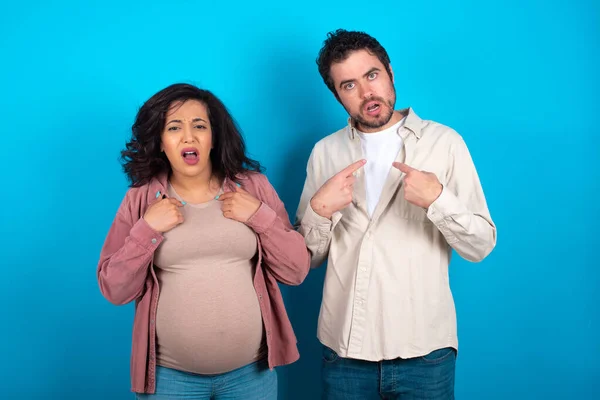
444	206
147	237
314	220
262	219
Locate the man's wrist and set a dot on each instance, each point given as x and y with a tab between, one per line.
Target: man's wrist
441	189
320	208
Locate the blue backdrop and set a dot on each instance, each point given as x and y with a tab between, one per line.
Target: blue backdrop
519	81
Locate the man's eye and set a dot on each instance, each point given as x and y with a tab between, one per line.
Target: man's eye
350	86
373	75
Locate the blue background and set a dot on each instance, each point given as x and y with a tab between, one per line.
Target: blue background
519	81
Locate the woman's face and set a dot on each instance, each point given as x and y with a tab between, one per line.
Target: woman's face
187	138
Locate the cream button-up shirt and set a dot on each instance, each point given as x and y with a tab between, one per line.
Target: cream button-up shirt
386	292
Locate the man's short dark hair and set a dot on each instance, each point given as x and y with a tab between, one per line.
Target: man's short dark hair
338	46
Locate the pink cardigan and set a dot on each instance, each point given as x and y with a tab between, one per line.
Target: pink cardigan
126	271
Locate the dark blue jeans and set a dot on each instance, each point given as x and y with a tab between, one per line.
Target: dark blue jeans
430	377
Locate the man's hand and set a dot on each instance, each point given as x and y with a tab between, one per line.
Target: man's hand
336	193
420	188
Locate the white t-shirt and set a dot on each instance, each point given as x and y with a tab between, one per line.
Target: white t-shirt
380	150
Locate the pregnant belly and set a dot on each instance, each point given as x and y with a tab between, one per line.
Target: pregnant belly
208	326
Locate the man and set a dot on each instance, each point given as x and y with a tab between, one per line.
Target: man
385	201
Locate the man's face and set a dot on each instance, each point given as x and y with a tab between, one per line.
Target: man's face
365	90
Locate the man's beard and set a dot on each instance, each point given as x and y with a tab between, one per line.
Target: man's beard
384	117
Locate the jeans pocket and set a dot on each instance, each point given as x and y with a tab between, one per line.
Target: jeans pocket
438	355
329	356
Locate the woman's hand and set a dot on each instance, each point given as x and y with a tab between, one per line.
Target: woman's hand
239	205
164	215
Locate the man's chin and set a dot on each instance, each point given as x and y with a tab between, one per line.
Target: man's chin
372	122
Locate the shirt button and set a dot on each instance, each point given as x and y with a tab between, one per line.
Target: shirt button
364	269
260	296
153	241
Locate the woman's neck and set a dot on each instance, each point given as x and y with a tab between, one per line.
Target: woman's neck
196	189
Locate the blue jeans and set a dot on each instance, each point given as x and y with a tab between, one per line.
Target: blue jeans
251	382
430	377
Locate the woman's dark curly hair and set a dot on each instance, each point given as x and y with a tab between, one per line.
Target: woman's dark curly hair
338	46
142	158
